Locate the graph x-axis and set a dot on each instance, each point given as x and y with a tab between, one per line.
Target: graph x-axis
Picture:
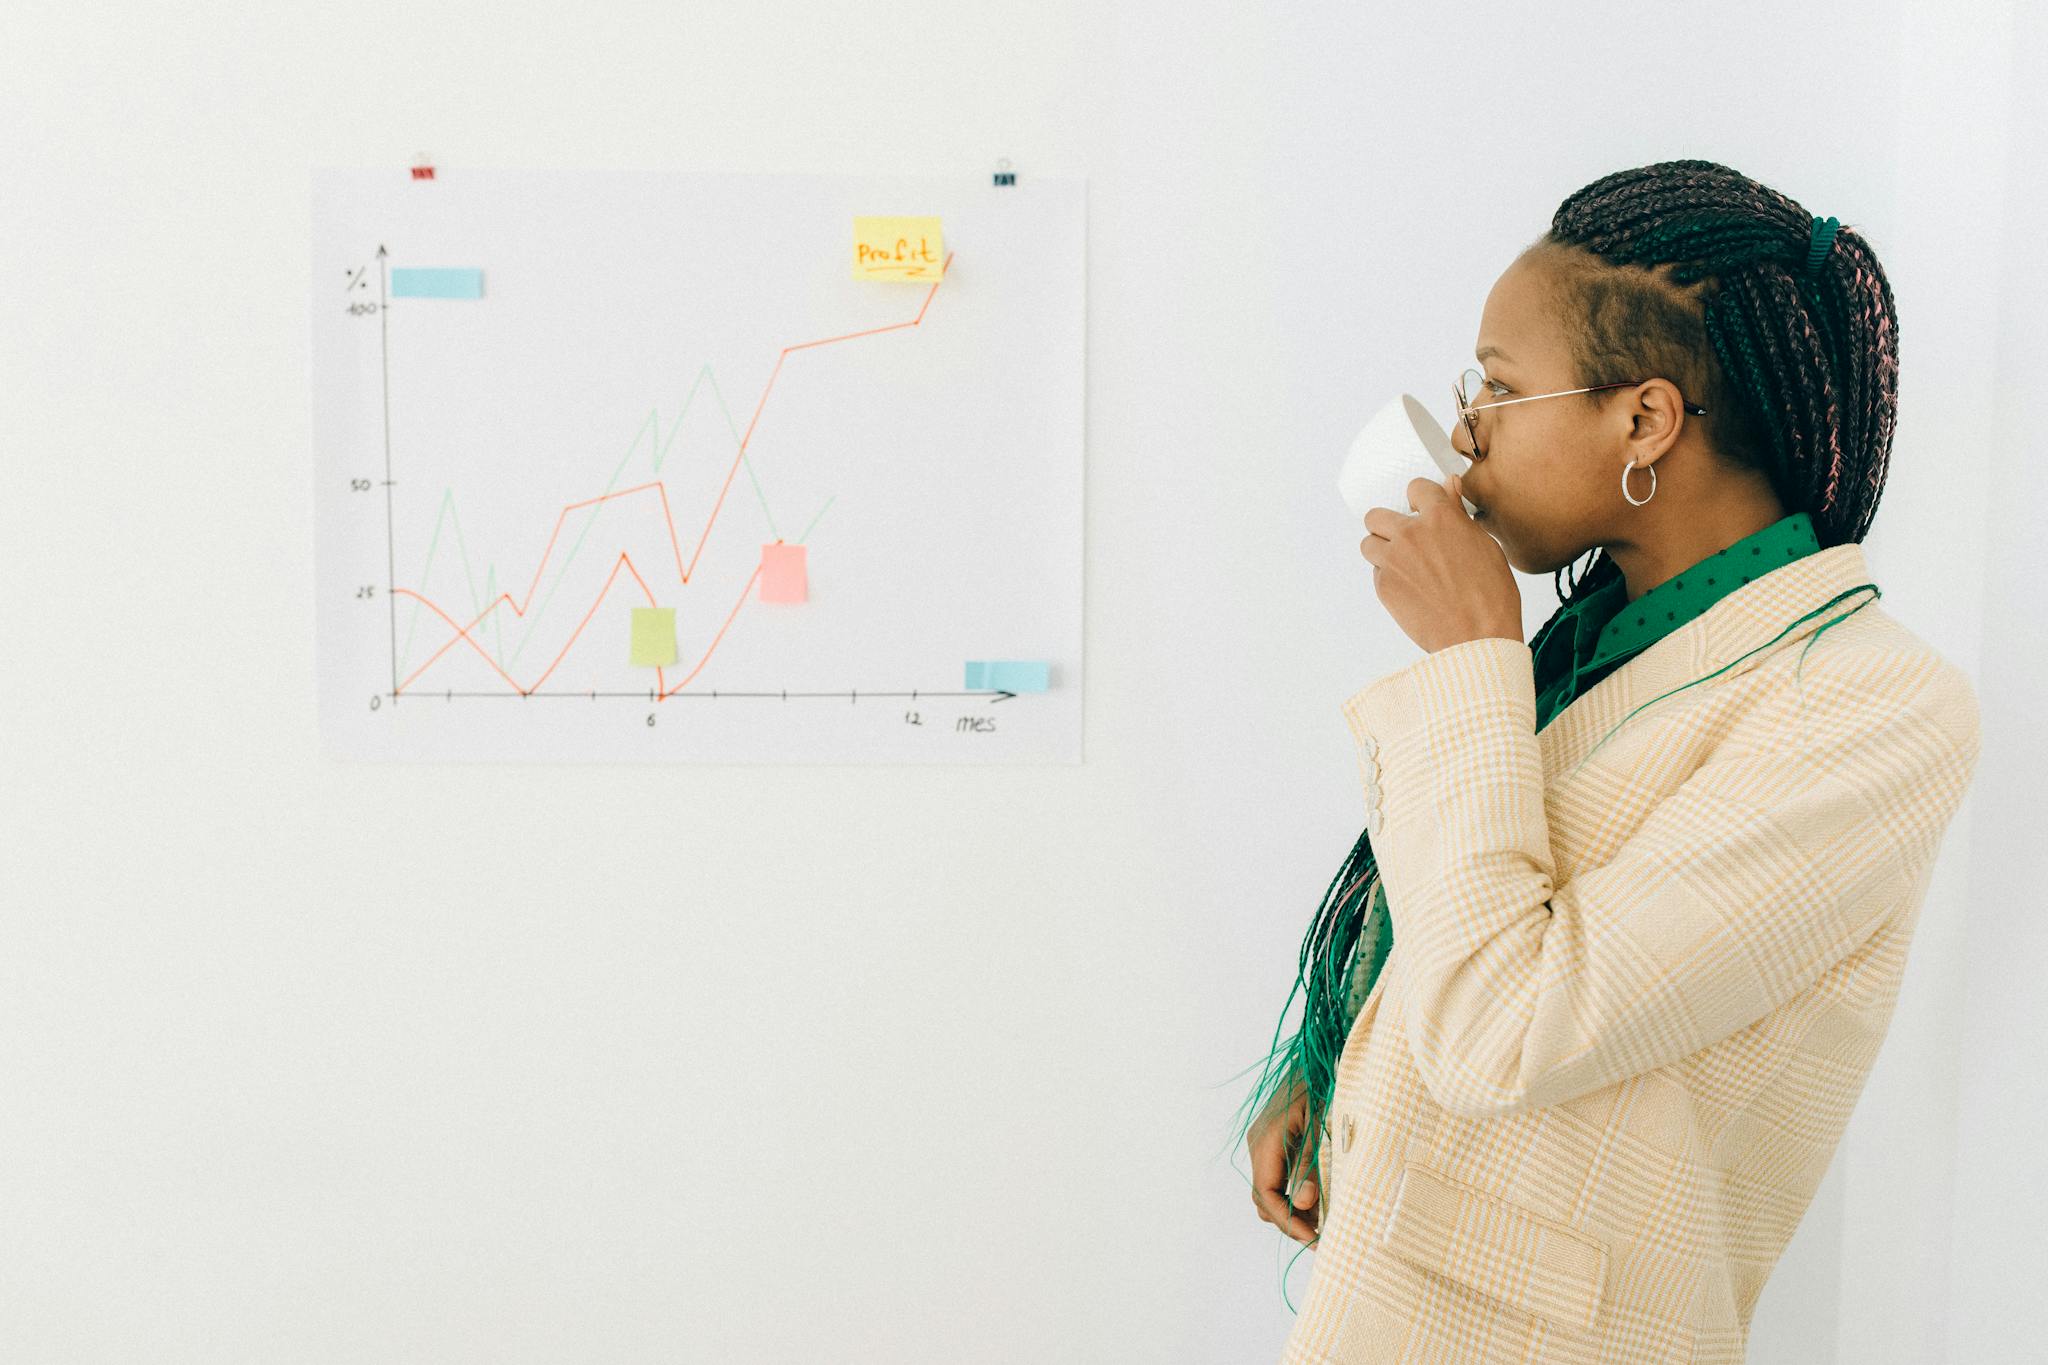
718	693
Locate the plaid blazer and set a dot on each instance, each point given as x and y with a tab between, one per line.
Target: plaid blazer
1635	990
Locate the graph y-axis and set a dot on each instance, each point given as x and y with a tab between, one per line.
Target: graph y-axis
390	552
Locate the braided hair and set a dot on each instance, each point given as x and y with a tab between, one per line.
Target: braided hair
1693	272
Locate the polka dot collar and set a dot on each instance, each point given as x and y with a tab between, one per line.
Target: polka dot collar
1606	626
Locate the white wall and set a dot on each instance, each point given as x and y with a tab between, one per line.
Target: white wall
1997	1010
311	1062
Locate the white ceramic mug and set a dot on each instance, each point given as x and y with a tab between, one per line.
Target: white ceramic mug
1401	442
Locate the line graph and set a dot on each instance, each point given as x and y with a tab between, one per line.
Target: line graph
933	428
462	632
447	517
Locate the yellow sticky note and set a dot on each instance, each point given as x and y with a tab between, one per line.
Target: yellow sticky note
654	636
897	248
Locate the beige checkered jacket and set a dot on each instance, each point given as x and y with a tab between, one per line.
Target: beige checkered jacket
1634	991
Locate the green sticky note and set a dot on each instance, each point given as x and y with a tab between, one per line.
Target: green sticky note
654	636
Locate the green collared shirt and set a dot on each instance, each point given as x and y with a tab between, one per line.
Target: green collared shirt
1603	630
1591	638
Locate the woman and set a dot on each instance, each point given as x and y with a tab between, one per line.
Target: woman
1589	1004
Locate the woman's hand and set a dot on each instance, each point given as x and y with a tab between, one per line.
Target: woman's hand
1442	579
1275	1138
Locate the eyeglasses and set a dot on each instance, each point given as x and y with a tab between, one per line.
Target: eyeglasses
1471	382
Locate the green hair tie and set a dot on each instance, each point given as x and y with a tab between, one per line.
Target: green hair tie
1820	242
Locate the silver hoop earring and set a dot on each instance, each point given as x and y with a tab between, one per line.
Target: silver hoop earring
1624	482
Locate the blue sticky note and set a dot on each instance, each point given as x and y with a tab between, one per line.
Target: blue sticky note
417	282
1007	675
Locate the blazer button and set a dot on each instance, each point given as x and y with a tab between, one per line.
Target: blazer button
1370	745
1349	1124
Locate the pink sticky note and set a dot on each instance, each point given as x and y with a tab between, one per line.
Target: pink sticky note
782	573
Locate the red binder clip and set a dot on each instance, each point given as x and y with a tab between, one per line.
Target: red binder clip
422	168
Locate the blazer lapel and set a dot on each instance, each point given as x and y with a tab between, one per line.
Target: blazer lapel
1743	620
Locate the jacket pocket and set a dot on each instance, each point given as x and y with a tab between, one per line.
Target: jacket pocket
1496	1248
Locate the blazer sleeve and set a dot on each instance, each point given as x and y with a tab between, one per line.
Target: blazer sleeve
1759	872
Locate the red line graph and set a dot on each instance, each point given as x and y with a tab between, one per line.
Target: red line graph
662	690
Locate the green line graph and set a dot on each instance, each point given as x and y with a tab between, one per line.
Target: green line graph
449	515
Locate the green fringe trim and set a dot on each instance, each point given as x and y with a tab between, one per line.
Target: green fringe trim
1875	593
